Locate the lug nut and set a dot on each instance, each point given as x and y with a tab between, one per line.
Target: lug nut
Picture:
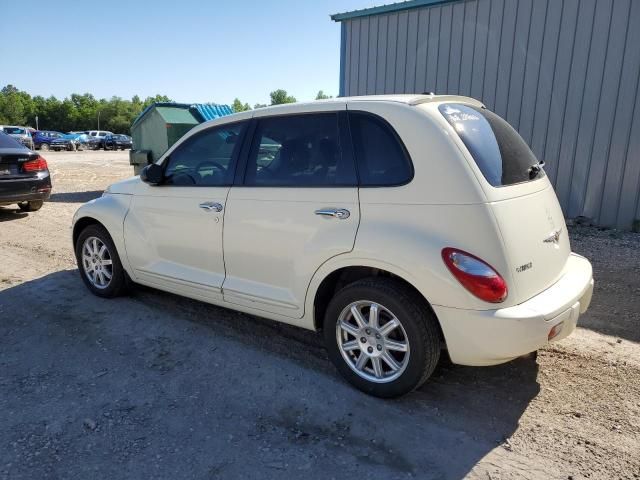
368	331
378	336
379	347
363	340
370	349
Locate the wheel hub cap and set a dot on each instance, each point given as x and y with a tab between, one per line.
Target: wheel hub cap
372	342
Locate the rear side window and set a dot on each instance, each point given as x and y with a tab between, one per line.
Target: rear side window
299	151
382	159
14	130
502	155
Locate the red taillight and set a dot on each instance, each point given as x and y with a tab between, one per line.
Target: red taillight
475	275
37	165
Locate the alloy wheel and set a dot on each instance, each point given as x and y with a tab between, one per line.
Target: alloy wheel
96	262
372	341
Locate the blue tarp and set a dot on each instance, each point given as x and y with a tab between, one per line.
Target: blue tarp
203	112
209	111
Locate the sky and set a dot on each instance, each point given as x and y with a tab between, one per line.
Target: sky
192	51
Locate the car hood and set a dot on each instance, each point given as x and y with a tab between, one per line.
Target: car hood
125	187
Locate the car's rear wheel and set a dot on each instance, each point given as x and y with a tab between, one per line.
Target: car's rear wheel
382	337
31	206
44	146
99	263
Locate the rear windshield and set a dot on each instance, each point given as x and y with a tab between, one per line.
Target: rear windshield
502	155
7	142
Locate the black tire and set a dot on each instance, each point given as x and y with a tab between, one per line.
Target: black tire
419	324
32	206
118	284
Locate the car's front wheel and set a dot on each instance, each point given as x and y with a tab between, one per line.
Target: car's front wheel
382	337
99	263
44	147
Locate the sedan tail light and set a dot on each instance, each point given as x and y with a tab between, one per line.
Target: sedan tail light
475	275
37	165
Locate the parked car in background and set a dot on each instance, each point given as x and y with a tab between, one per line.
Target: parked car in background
24	176
21	134
70	142
43	139
339	217
97	138
117	142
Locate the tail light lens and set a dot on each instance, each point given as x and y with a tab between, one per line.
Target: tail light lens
37	165
475	275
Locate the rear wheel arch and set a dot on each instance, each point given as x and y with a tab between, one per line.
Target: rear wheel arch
343	276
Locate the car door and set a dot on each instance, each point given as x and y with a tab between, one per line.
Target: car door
296	208
173	231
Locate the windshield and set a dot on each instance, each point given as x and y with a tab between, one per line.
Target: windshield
14	130
502	155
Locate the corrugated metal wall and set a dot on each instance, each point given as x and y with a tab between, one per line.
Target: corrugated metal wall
563	72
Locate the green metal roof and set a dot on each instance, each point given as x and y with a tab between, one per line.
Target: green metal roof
393	7
176	115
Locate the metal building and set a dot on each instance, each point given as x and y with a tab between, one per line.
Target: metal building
564	73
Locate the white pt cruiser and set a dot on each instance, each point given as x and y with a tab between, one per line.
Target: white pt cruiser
399	226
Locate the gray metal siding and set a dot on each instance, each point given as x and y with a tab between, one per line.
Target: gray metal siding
563	72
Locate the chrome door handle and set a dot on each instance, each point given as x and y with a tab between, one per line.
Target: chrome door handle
209	206
339	213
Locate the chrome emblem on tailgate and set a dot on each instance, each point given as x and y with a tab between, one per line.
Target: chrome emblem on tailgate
554	237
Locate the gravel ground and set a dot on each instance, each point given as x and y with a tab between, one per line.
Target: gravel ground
157	386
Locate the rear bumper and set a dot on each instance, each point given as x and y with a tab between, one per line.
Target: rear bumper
25	190
489	337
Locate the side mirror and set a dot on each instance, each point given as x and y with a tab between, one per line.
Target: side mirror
152	174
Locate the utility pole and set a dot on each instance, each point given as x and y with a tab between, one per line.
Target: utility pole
37	123
98	119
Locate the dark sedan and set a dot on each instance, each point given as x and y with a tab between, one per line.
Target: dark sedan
24	176
117	142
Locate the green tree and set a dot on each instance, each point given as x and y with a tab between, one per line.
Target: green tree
259	105
321	96
280	96
15	105
156	99
238	106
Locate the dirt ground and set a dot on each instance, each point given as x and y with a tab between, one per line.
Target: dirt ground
157	386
